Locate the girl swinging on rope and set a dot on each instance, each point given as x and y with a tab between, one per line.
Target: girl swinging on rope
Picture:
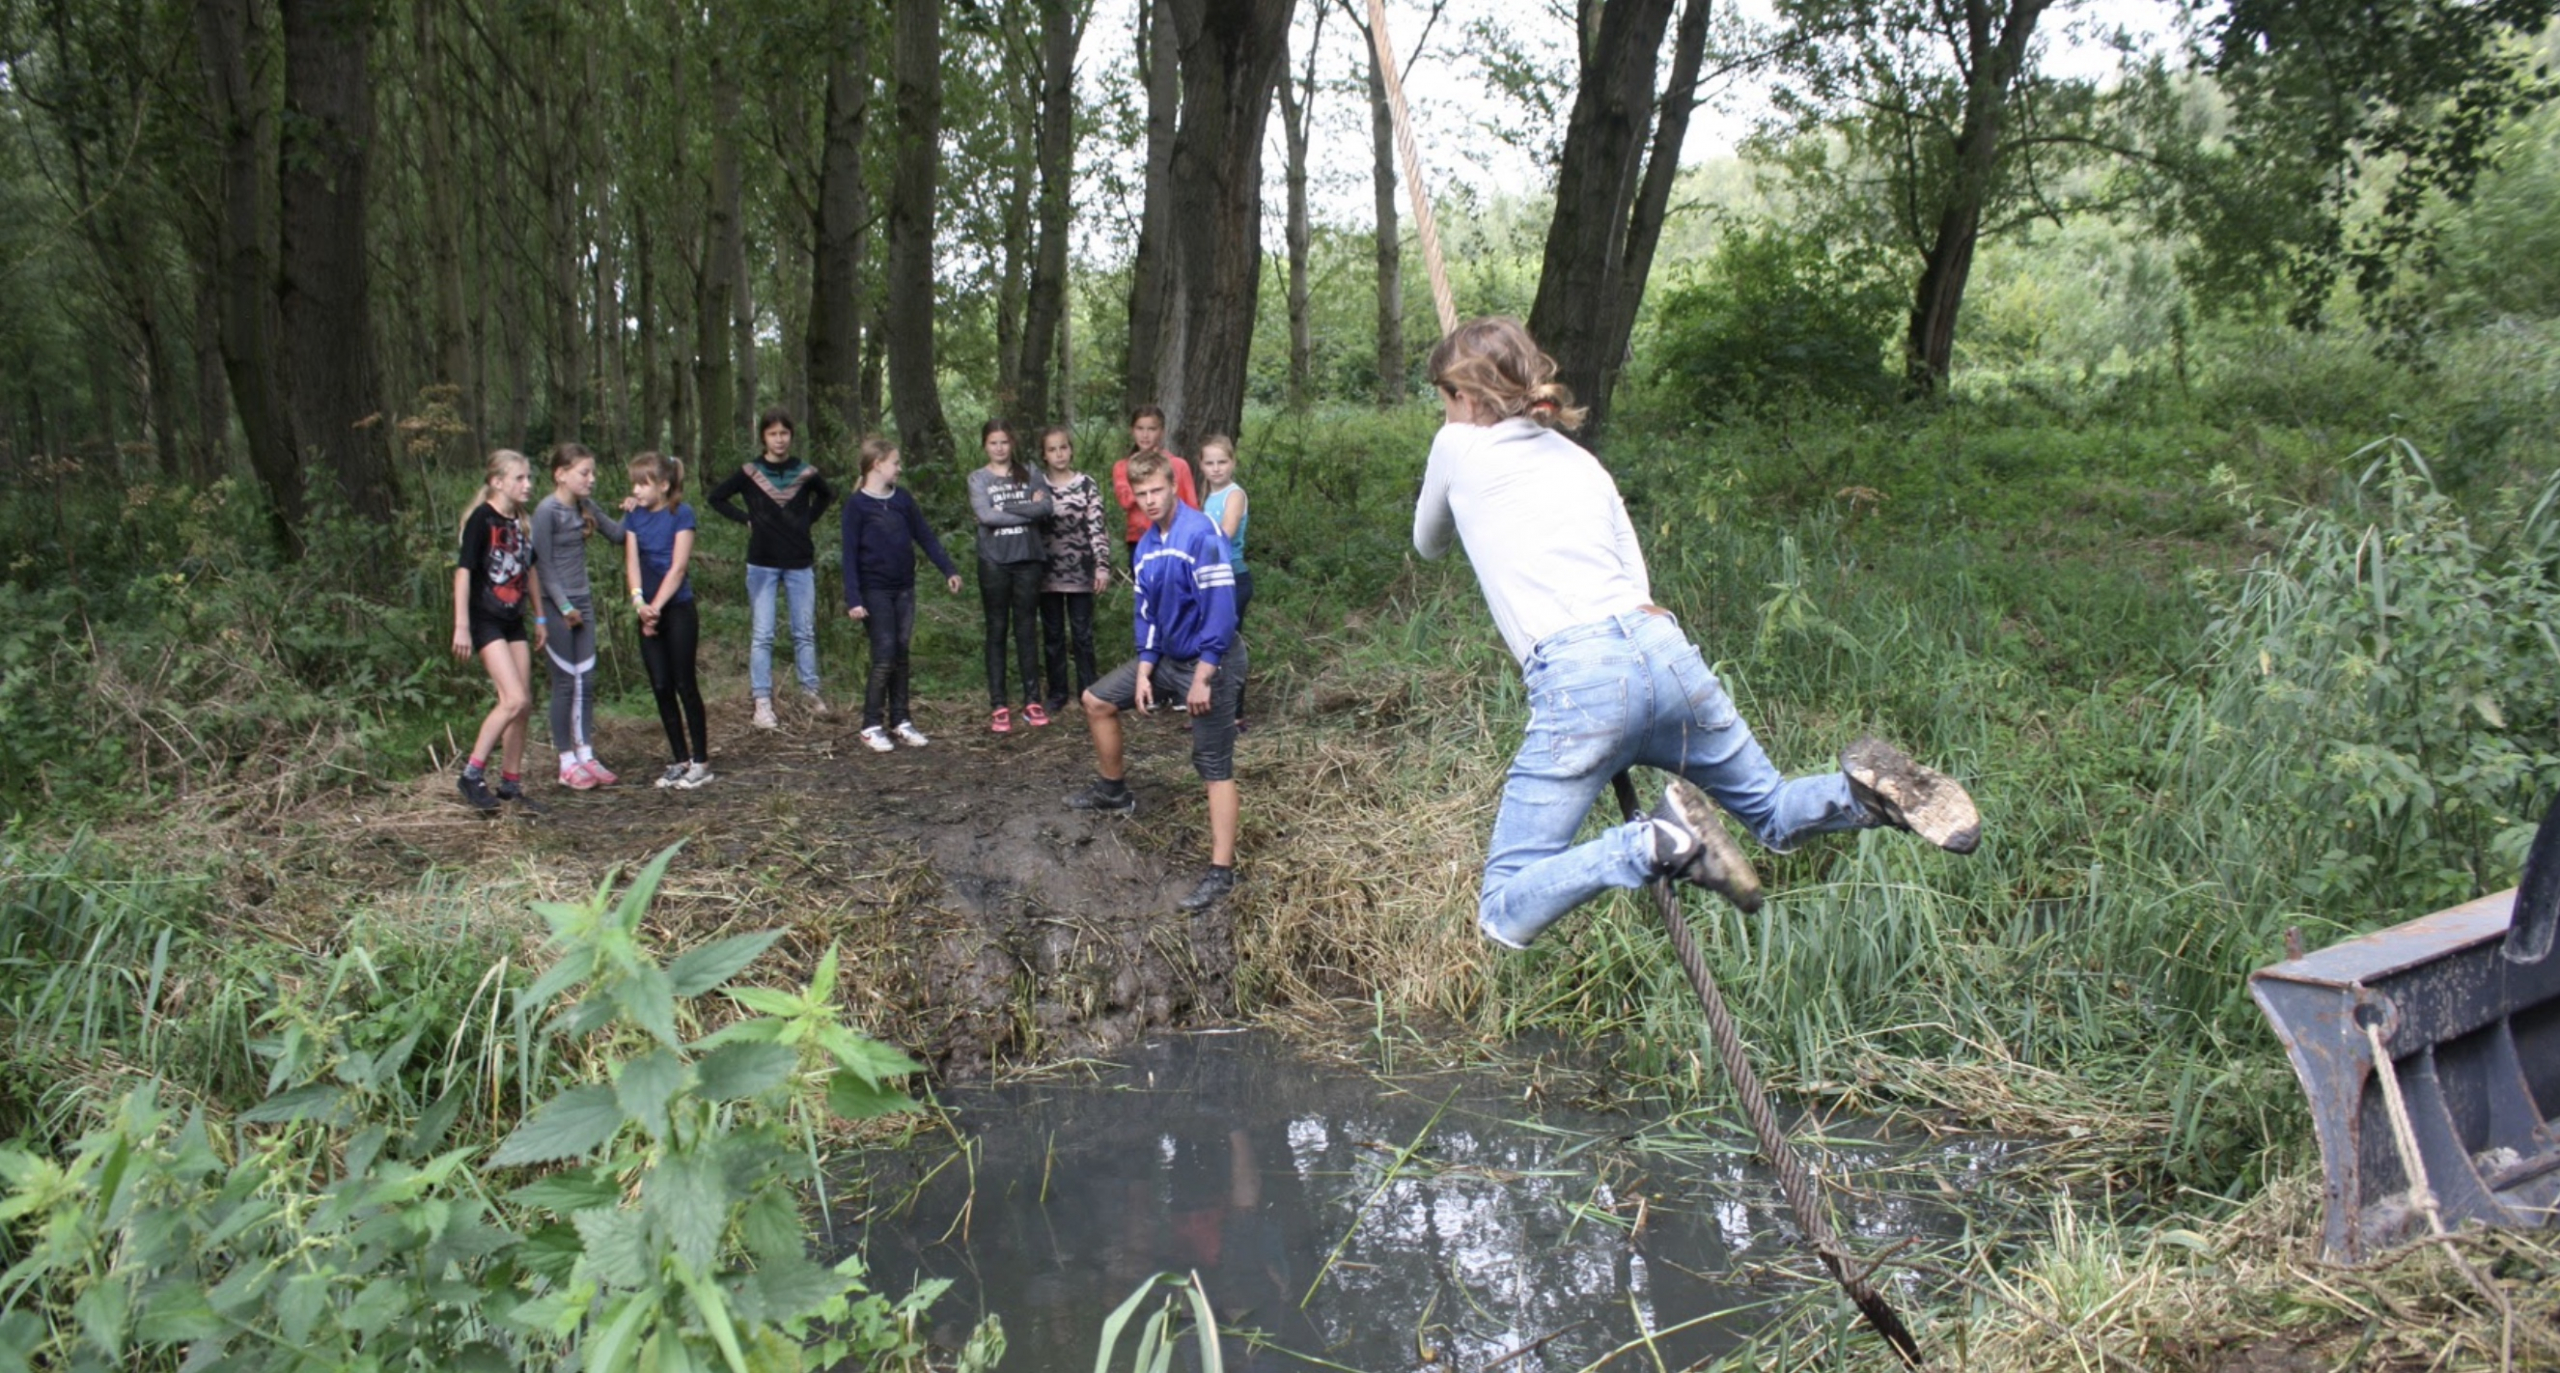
1611	680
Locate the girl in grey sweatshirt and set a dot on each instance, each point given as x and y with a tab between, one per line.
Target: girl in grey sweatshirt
1011	505
560	527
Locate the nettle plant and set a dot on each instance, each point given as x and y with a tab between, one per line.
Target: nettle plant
649	1219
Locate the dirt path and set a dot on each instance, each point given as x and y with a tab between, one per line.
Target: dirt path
980	919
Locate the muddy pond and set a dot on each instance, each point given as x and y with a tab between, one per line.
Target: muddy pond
1468	1217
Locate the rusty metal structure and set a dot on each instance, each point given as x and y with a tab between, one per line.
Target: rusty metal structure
2468	1004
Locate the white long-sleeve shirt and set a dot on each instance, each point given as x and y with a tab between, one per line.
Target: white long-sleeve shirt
1541	520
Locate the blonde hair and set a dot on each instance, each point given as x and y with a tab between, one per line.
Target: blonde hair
875	451
1148	466
664	468
1218	441
1494	363
500	459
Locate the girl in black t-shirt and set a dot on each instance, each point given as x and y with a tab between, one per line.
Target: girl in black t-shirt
493	587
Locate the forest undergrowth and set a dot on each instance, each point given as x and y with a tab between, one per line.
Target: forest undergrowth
2212	673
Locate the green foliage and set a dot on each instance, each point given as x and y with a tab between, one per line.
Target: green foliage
340	1224
1160	1339
2378	723
1774	319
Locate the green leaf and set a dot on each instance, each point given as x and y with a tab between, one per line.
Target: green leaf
698	970
566	1126
299	1305
552	1251
797	1288
179	1314
735	1071
765	1000
714	1306
562	1193
319	1101
649	1000
376	1307
622	1323
687	1196
854	1099
646	1085
102	1313
617	1245
874	1061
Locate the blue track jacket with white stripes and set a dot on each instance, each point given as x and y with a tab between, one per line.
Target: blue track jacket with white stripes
1186	590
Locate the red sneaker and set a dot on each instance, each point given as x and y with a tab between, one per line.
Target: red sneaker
1038	718
1001	721
604	776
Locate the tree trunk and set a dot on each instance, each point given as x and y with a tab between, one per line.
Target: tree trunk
1389	239
328	317
1232	54
1576	308
450	330
742	327
211	455
915	64
1995	54
1014	265
1296	112
835	275
244	267
1044	316
714	381
1160	68
1653	201
653	395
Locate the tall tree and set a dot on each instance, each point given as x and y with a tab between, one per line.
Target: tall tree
328	308
1577	305
1160	72
1062	25
716	286
835	320
454	362
915	64
1232	54
228	38
1297	113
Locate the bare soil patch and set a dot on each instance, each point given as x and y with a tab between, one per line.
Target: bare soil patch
981	921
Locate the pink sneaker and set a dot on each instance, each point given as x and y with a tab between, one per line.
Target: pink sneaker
1000	721
1038	718
604	775
577	778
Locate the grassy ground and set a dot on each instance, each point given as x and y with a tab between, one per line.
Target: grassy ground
2214	666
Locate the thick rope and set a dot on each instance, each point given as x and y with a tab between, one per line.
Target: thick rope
1794	1179
1423	223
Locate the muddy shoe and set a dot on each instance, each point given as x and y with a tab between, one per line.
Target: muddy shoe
513	794
1691	845
1105	795
475	791
1214	886
1911	796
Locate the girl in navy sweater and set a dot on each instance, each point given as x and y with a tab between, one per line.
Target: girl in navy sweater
882	531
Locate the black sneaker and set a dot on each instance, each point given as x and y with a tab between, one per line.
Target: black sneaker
1213	888
513	794
1910	796
1107	796
1690	845
476	791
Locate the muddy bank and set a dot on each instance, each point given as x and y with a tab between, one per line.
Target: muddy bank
981	920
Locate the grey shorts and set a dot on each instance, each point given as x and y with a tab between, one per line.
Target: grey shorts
1213	736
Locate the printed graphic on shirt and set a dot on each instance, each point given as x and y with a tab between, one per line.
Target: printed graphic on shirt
502	568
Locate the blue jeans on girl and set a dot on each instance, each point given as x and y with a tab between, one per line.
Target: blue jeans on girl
800	586
1605	696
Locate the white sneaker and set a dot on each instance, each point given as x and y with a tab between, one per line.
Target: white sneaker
817	704
695	774
909	735
673	776
877	739
764	714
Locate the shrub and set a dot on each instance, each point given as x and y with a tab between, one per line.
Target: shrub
1776	318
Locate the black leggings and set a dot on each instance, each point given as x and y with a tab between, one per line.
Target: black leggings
668	654
1009	593
889	617
1066	620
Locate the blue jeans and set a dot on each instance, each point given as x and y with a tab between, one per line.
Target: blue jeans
1604	696
800	587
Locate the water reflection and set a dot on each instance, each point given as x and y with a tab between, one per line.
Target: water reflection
1431	1221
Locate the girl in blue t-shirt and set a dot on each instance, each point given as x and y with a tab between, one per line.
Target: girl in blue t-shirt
656	550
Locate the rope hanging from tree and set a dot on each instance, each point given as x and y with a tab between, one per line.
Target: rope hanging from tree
1424	225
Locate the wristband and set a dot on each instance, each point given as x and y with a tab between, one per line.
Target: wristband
539	622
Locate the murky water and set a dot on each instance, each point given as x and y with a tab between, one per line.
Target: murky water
1338	1219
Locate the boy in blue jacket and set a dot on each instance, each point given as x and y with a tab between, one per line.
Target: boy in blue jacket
1187	650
